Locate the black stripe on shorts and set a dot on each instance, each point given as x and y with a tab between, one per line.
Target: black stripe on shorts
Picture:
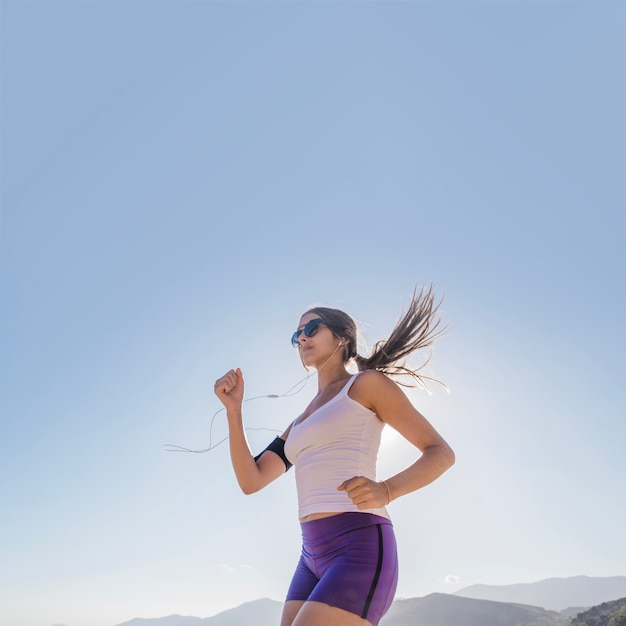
379	567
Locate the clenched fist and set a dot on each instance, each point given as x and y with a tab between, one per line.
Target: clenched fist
366	493
229	389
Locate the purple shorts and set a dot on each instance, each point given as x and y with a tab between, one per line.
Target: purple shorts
348	561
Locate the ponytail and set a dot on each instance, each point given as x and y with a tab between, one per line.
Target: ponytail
415	330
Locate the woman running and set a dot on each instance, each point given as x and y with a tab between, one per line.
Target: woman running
348	570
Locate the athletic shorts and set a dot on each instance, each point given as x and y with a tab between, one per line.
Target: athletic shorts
348	561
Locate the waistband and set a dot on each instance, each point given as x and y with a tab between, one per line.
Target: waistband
336	525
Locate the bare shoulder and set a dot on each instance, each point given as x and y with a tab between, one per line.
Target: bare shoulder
373	389
384	397
371	378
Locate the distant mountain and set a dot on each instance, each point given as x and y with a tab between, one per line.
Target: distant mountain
459	609
437	609
440	609
263	612
172	620
570	611
553	593
606	614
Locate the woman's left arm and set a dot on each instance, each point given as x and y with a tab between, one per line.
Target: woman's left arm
380	394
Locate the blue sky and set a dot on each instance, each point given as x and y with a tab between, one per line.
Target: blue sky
181	180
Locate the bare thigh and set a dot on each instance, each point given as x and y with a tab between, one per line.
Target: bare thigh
290	610
297	613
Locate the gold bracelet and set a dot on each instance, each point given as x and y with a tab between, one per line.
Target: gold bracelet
388	491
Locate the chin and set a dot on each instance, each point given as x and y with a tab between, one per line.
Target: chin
308	360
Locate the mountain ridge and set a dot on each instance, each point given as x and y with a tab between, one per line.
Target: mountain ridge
436	609
606	614
440	609
556	594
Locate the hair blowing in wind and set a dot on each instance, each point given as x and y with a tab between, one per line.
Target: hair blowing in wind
416	330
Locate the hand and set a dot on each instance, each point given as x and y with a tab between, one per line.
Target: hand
229	389
365	493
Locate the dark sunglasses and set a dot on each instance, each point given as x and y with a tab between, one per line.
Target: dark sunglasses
310	328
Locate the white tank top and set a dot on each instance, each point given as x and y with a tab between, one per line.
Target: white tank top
339	440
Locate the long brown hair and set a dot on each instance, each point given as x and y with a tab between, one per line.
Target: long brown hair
415	330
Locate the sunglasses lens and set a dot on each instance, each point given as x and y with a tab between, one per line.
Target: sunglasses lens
310	328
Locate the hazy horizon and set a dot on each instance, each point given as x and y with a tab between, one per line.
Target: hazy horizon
559	589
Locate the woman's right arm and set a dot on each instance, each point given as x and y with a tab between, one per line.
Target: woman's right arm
251	475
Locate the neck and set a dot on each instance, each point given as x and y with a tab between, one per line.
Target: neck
329	374
330	371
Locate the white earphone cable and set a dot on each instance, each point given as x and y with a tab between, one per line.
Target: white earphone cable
170	447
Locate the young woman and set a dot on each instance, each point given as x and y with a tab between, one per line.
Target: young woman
348	570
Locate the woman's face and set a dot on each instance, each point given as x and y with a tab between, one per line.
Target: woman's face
319	347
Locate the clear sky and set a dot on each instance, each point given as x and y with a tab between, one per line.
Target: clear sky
180	180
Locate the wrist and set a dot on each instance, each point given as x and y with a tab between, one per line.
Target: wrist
234	413
384	482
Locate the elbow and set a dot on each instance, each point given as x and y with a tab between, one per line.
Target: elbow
444	456
441	457
448	456
248	490
451	458
249	487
